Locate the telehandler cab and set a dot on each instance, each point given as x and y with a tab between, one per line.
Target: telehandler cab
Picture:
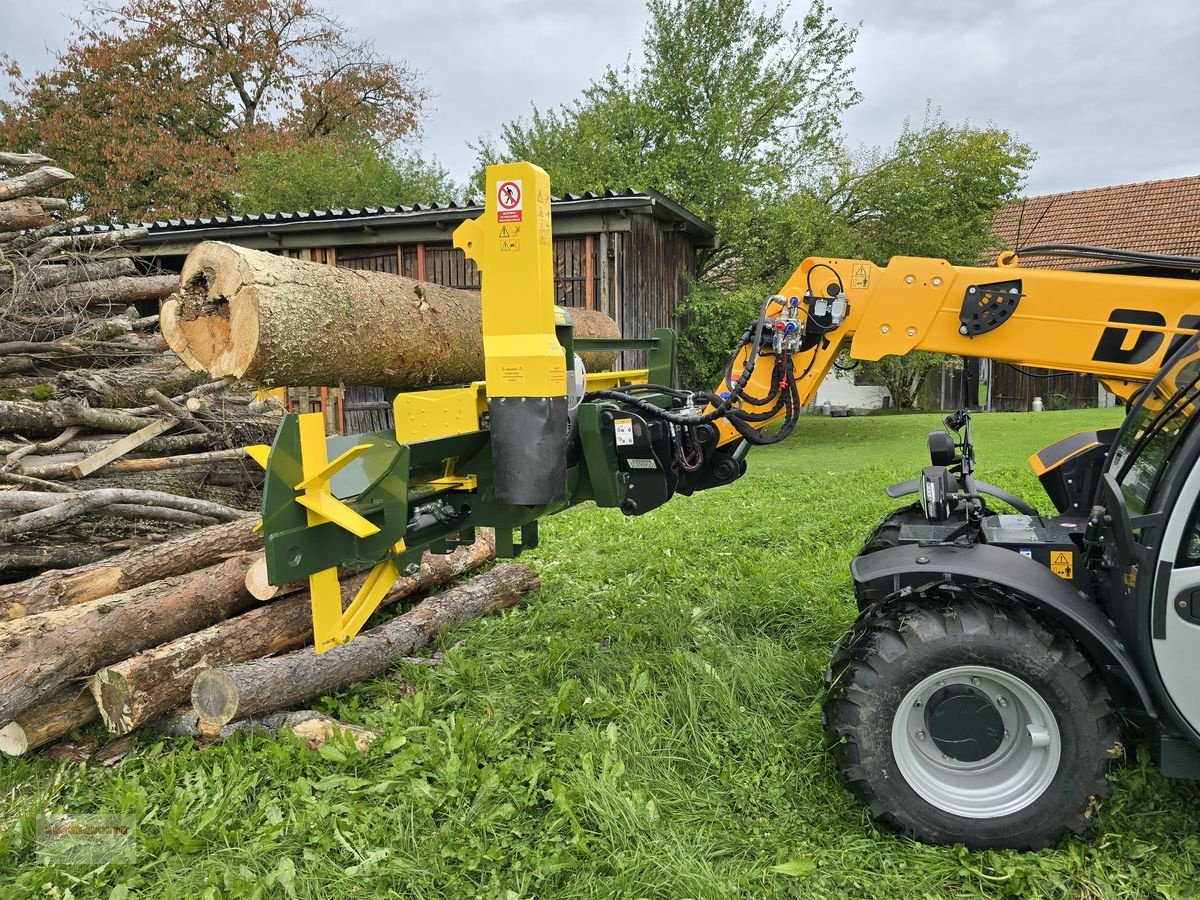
978	695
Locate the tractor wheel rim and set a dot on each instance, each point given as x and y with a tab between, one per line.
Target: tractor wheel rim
976	742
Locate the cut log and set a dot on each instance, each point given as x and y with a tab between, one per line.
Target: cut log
116	291
155	464
132	569
278	321
40	654
45	419
126	385
30	183
49	276
94	240
17	215
169	443
55	509
224	694
67	710
24	558
137	690
313	728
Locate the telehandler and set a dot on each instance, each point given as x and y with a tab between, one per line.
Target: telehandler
978	695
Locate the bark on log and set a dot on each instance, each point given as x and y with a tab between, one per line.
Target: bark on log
22	557
156	464
32	419
134	691
40	654
126	385
132	569
169	443
116	291
224	694
71	708
31	182
52	510
17	215
89	241
279	321
50	276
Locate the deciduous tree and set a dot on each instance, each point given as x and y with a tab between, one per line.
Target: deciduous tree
152	103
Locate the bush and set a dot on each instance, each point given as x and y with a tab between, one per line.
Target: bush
712	323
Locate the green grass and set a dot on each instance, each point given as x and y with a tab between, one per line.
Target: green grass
648	725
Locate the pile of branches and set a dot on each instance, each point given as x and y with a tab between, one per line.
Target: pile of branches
133	640
90	391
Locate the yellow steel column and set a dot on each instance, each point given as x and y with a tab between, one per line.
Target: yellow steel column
524	364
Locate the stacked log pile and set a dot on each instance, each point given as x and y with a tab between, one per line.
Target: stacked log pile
127	641
106	439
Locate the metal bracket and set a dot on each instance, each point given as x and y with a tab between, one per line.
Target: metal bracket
986	307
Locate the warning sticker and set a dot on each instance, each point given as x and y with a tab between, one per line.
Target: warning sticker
509	202
509	245
859	279
623	428
1062	563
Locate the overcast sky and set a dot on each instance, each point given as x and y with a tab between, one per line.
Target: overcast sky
1106	91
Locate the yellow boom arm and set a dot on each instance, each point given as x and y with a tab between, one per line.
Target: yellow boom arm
1119	328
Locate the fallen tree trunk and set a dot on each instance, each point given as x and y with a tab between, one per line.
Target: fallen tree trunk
40	654
224	694
132	569
279	321
67	710
134	691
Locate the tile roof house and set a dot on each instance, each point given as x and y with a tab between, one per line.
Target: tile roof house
1152	216
1155	216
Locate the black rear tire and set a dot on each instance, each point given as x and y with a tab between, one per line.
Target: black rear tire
891	652
886	534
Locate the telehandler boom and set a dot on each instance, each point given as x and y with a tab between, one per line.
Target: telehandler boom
977	697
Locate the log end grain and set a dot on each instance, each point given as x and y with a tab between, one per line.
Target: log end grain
114	698
213	322
257	584
13	741
215	697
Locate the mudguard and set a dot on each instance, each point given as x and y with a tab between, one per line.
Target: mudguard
880	576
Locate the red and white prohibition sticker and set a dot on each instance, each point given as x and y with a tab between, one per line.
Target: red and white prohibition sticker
509	201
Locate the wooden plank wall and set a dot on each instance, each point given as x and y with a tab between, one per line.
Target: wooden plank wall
1013	391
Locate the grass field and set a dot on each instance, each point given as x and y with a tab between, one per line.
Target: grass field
648	725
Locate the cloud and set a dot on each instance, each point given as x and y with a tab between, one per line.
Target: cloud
1104	90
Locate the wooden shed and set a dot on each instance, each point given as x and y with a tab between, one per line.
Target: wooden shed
628	254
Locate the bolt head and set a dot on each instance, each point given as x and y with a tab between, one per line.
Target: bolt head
920	735
975	680
412	569
962	329
1002	702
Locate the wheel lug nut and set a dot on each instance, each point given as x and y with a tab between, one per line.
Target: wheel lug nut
946	757
920	735
942	683
1002	702
975	680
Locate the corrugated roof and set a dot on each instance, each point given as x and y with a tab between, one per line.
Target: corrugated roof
1154	216
661	206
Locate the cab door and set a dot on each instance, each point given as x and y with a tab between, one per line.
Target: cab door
1175	610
